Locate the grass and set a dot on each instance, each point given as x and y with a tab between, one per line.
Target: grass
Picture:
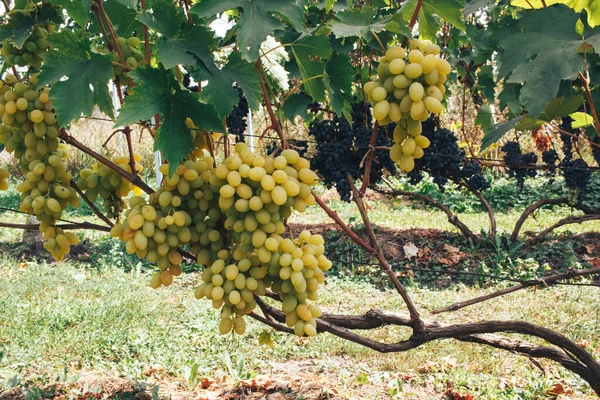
59	320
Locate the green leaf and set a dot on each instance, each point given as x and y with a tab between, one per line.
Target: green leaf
447	10
258	19
296	106
220	91
485	82
591	6
362	23
166	18
541	51
158	92
304	50
581	120
79	10
329	5
497	131
339	76
558	108
509	97
123	15
485	117
87	76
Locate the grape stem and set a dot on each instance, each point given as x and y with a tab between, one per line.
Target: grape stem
146	35
369	160
452	218
79	225
136	180
413	20
547	281
274	121
95	209
578	137
101	14
573	219
127	132
565	351
590	100
539	204
416	322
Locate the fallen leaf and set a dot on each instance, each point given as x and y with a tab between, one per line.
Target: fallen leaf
410	250
206	382
451	249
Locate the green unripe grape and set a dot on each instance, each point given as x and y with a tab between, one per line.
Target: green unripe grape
397	66
381	110
379	93
416	91
413	70
225	326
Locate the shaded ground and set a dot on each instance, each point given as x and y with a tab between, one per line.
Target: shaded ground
427	248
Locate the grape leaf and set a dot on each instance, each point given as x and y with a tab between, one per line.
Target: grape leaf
304	50
178	43
509	97
353	23
591	6
220	91
485	82
158	92
447	10
165	18
87	74
485	117
79	10
497	131
329	5
123	15
258	19
338	80
184	45
581	120
541	51
296	105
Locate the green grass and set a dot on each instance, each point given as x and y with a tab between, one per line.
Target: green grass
61	319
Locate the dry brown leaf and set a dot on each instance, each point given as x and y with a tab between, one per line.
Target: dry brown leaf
451	249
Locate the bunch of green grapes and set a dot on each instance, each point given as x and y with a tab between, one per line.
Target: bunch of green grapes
232	216
293	271
408	89
30	54
129	49
184	210
4	174
155	235
110	185
30	132
256	194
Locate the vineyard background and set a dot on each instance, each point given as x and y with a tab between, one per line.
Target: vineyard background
458	250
